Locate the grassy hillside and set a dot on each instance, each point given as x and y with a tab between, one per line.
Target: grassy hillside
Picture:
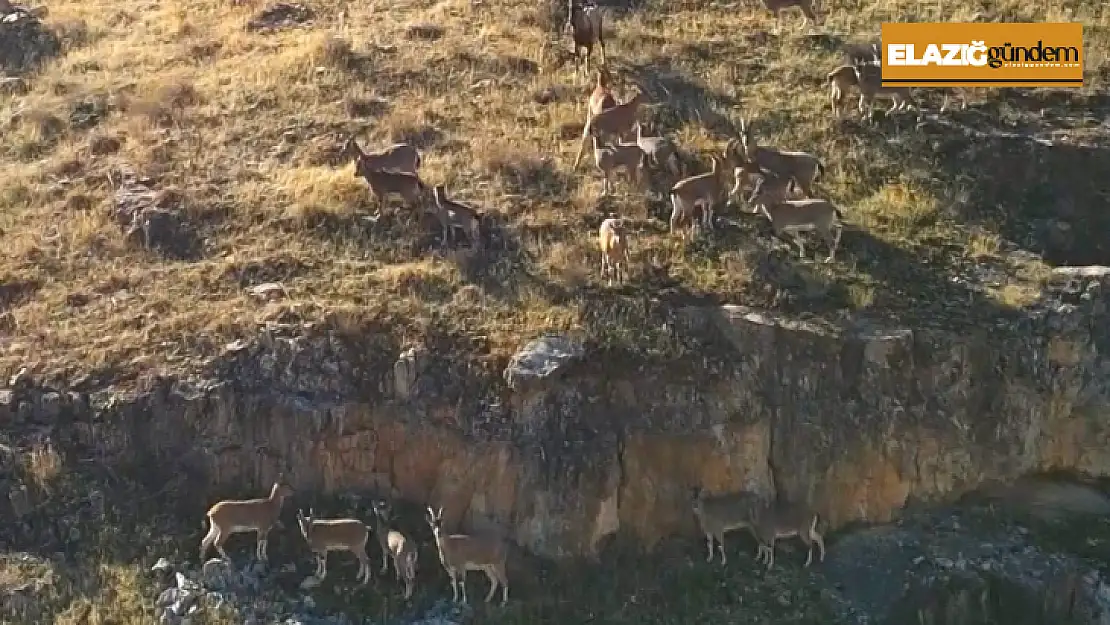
240	132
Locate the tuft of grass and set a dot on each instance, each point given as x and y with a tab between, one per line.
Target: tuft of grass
43	466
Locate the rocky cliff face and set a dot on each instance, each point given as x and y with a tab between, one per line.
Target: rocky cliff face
858	420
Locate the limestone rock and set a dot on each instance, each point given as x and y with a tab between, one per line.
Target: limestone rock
898	574
858	420
541	359
268	291
406	370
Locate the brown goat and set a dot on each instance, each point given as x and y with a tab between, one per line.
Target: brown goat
398	157
586	25
601	97
614	121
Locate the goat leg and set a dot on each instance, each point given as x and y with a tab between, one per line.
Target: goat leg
801	245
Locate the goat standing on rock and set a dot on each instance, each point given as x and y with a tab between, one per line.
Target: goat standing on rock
460	553
324	535
250	515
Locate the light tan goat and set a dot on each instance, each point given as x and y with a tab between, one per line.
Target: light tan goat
742	168
720	514
461	553
611	157
777	6
612	238
657	150
601	97
775	188
866	79
795	216
453	215
803	167
326	535
702	190
784	520
249	515
586	26
385	183
397	157
616	122
395	545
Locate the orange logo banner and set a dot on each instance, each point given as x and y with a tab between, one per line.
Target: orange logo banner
982	55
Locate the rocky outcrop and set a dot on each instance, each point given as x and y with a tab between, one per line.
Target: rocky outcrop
25	43
966	567
858	420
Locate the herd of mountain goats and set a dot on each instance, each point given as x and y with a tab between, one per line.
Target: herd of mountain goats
784	180
781	176
486	552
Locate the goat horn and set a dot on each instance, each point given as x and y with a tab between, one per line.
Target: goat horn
351	143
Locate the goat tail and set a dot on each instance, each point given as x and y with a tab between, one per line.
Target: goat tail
820	171
839	213
419	160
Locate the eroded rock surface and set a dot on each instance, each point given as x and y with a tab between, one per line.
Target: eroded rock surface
857	420
249	595
932	566
25	42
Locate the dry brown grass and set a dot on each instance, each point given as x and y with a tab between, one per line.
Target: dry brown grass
247	126
44	466
92	593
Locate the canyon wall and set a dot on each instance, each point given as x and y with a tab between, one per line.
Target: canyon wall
858	420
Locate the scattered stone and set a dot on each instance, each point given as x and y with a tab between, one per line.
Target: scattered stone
87	114
20	499
217	574
406	370
163	231
281	15
139	208
268	291
10	85
310	582
425	31
541	359
247	596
